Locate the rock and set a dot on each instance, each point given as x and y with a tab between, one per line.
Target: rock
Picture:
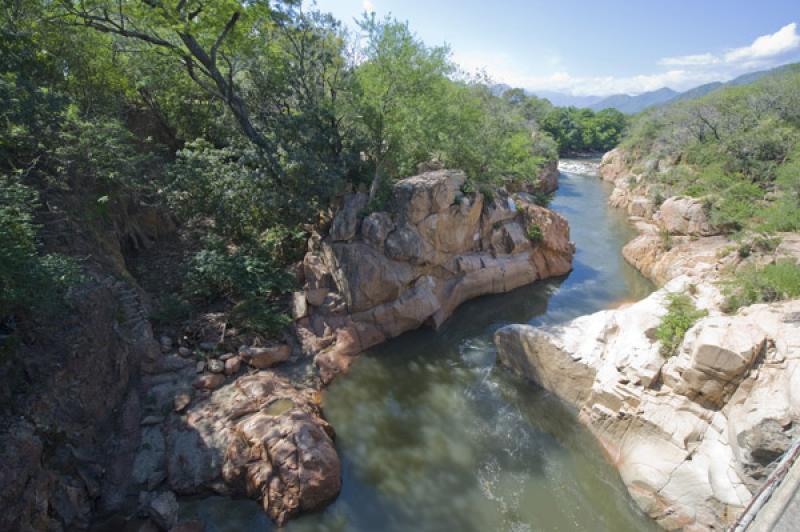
417	197
226	357
266	357
166	344
200	367
315	297
152	420
259	438
163	510
376	227
693	435
434	249
612	167
299	305
150	457
207	346
216	365
209	381
345	223
182	400
185	352
685	216
189	526
232	365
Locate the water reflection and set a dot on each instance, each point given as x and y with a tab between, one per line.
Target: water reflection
434	436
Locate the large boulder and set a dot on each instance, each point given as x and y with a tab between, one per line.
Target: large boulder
680	215
612	166
435	248
256	437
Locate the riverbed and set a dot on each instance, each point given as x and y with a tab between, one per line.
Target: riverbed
433	435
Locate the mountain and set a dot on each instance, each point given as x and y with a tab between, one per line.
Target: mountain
562	99
633	104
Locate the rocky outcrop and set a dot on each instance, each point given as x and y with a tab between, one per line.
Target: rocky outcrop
685	216
692	435
71	413
376	276
257	436
695	434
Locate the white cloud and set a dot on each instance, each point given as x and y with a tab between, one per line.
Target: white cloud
690	60
368	6
782	41
679	73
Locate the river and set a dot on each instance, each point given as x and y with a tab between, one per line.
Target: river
434	436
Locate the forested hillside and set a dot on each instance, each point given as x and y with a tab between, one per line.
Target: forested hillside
736	153
246	119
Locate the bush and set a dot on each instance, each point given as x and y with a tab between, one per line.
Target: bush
543	199
535	233
681	315
773	282
216	272
28	279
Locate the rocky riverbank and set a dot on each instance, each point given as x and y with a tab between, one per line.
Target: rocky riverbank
374	277
693	435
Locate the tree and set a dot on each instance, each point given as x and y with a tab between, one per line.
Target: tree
213	41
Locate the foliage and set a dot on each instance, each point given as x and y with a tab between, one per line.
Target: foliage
681	315
583	130
737	148
772	282
535	232
28	279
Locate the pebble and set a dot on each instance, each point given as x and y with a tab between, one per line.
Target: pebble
185	352
208	346
201	366
216	366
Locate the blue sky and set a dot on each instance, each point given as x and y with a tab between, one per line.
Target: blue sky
600	47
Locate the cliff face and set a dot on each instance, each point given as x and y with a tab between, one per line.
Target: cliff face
375	277
694	434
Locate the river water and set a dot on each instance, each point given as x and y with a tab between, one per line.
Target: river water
434	436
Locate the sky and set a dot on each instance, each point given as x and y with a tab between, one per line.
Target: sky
599	47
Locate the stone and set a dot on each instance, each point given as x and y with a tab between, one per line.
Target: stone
232	365
182	399
226	356
346	222
185	352
315	297
685	216
216	365
376	227
189	526
207	346
266	357
209	381
259	438
200	367
299	305
150	457
166	343
163	510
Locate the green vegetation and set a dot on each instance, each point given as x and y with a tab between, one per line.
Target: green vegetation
681	315
246	119
736	148
772	282
535	232
583	130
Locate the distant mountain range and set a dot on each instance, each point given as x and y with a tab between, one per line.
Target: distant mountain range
633	104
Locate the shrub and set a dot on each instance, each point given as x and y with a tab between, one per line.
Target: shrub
28	279
259	315
216	272
773	282
543	199
681	315
171	309
535	233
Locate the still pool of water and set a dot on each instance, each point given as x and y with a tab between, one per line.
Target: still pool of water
433	436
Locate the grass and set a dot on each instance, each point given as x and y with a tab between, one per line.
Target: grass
681	315
765	284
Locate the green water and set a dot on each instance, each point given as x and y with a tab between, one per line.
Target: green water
434	436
